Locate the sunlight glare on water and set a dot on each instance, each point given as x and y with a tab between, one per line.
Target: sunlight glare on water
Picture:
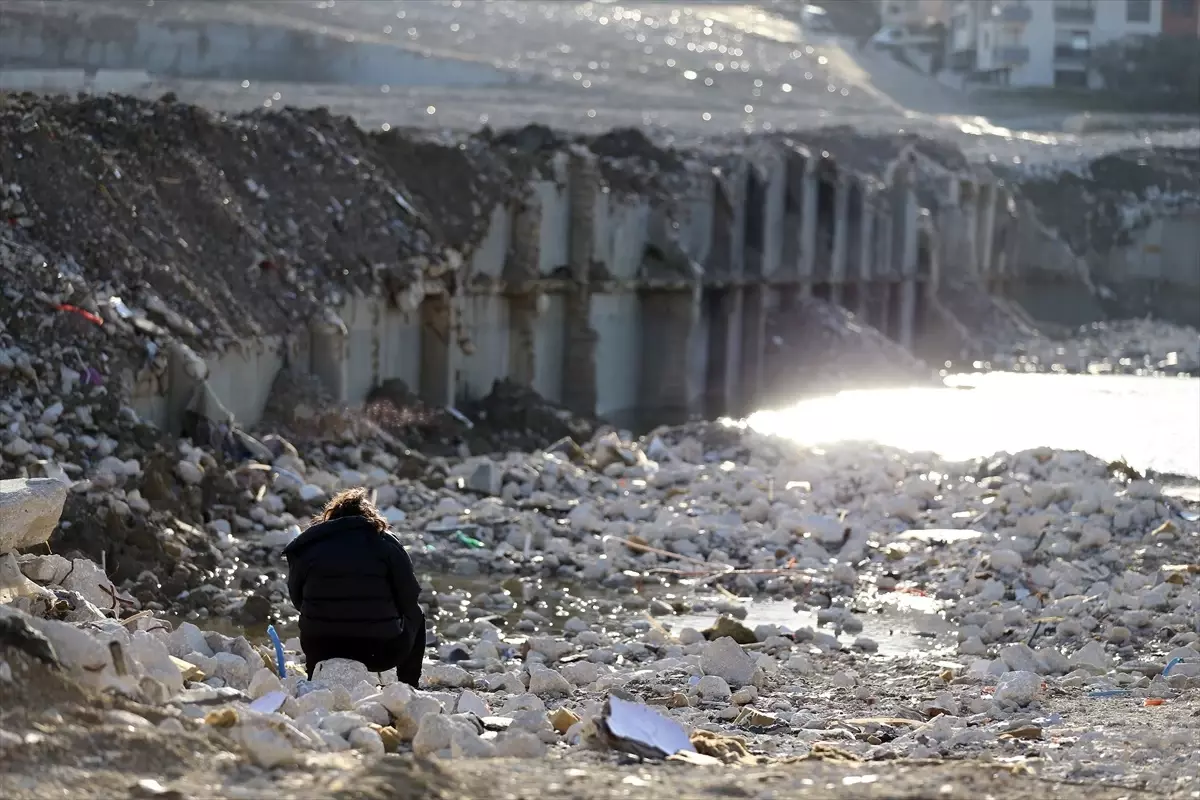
1153	423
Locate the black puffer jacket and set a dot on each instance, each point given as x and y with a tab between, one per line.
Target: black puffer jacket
348	580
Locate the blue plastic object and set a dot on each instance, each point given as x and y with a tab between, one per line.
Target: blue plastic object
280	658
1170	665
1109	693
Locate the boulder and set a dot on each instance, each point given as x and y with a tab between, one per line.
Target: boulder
29	511
13	583
725	658
48	570
87	578
342	672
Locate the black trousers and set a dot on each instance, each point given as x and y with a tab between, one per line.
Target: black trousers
404	652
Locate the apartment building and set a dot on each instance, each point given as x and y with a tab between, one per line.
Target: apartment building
1043	42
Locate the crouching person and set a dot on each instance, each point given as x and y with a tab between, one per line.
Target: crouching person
356	591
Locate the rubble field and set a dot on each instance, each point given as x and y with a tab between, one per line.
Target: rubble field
1125	347
1061	588
702	608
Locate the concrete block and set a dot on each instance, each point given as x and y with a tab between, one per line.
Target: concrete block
29	511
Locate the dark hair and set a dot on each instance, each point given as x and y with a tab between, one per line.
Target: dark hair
353	503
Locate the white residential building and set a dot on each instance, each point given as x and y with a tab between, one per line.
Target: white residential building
1043	42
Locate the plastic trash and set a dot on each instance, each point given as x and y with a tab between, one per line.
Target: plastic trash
88	315
280	658
118	305
639	729
468	541
461	417
270	702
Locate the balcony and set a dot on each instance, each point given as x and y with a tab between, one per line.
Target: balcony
1065	54
1075	15
1011	12
1011	56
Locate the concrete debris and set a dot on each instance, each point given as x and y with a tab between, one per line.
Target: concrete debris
29	510
1132	347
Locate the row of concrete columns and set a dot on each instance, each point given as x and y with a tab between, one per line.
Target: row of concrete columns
715	264
725	321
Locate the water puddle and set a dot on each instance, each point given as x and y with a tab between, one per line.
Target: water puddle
903	625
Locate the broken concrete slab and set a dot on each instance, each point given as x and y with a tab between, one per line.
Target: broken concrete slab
29	511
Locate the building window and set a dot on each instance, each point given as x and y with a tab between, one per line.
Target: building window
1076	11
1072	45
1137	10
1183	8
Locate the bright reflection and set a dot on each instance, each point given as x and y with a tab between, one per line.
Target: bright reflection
1151	422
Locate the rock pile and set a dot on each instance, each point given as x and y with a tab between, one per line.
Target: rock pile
1128	347
509	418
1097	204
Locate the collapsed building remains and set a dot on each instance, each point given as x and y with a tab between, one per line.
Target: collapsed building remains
192	257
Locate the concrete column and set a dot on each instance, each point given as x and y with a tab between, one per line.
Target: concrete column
522	349
748	200
883	244
905	213
953	190
774	227
582	194
524	249
669	320
438	343
754	344
724	354
866	257
579	352
883	306
579	345
330	357
971	217
912	224
809	189
987	226
841	237
186	375
908	310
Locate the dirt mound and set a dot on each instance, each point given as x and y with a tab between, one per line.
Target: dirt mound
521	419
817	347
511	417
221	227
1097	206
